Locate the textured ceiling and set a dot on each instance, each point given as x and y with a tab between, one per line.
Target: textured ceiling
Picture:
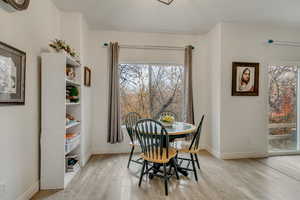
182	16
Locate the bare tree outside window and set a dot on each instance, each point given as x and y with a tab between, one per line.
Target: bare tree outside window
149	89
283	107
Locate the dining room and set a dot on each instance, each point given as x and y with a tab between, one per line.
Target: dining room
149	99
165	143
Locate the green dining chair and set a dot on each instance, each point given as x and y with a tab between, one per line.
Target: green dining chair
154	142
192	148
130	121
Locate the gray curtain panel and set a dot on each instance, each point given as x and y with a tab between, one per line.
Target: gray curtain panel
114	123
188	84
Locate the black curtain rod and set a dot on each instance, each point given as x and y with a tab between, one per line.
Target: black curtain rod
106	44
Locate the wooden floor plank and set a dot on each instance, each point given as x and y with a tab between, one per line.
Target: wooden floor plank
107	178
288	165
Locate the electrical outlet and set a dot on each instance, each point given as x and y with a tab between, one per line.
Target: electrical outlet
2	189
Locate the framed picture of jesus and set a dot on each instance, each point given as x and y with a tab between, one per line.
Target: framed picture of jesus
245	79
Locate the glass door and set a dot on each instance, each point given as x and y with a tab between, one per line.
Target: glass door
283	108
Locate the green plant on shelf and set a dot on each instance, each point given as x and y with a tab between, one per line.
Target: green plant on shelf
72	94
59	45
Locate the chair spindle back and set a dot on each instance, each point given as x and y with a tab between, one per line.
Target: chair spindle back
130	121
196	138
153	138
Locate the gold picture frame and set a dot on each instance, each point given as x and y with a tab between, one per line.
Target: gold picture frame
87	76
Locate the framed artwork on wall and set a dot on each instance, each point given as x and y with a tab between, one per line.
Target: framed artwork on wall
18	4
87	76
245	79
12	75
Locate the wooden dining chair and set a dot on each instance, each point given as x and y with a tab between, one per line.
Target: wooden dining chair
130	121
191	148
169	113
154	142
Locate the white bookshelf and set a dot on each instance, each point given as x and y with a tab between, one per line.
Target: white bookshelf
54	173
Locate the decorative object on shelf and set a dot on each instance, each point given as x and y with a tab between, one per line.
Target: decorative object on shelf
72	94
87	76
70	136
70	72
72	163
167	120
12	75
70	119
245	79
59	45
167	2
18	4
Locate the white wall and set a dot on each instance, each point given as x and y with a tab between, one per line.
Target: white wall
87	97
244	120
212	61
98	57
30	31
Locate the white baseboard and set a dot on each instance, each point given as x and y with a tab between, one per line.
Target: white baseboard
212	151
112	150
235	155
240	155
86	158
30	192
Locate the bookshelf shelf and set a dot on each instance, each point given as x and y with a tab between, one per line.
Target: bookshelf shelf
72	124
72	82
72	104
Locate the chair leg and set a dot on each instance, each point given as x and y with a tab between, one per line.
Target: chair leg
142	173
194	168
130	156
175	168
147	167
166	179
170	168
197	161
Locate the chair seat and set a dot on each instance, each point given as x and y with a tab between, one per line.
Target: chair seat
183	147
135	143
160	159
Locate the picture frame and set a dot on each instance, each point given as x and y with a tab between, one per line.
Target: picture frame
12	75
87	76
245	79
17	4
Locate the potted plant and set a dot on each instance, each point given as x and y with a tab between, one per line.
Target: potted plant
72	94
61	45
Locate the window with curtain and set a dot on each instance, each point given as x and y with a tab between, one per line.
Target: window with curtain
149	89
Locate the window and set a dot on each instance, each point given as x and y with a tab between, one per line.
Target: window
149	89
283	86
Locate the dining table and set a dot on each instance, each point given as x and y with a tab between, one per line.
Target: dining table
175	131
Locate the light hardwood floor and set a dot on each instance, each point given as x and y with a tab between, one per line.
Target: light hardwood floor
107	178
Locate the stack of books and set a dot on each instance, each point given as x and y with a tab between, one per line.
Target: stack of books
72	163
